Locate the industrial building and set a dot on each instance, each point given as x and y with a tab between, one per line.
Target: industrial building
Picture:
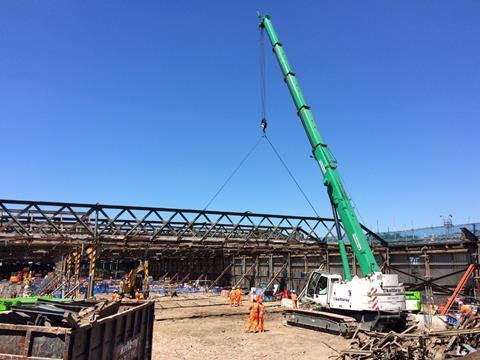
245	248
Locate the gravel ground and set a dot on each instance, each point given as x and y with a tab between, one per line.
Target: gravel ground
187	329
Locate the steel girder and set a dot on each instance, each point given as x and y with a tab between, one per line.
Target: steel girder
37	225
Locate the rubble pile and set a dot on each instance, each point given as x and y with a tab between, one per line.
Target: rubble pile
458	341
68	314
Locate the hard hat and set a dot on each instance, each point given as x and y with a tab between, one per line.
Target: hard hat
260	299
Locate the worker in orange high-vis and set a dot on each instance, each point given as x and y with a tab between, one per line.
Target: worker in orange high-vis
261	315
232	296
465	309
294	299
239	296
116	296
253	316
139	295
235	292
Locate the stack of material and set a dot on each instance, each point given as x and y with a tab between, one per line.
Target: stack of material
462	340
69	314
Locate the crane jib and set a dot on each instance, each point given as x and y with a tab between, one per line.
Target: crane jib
336	190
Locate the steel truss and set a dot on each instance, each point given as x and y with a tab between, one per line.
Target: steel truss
51	226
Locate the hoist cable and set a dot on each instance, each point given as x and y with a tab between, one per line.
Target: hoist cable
252	149
355	207
263	103
291	176
263	99
263	87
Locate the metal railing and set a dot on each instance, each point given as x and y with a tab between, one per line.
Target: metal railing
433	234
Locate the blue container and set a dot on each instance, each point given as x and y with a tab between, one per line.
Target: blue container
451	320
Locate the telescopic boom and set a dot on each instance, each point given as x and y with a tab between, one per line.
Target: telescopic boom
328	166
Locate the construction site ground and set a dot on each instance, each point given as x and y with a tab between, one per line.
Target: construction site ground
206	327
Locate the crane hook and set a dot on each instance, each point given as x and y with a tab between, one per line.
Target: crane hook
264	125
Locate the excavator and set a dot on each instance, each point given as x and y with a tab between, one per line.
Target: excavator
136	279
341	304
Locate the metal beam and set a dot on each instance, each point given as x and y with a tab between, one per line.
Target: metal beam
272	280
245	274
185	278
219	277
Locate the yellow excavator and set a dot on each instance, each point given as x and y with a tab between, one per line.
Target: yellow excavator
137	278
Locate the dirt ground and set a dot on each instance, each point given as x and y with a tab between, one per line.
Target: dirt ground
206	327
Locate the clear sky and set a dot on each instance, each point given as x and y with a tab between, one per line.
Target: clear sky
155	102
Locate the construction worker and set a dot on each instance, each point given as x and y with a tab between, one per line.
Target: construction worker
253	316
139	295
239	296
465	309
294	299
116	296
121	286
261	315
232	296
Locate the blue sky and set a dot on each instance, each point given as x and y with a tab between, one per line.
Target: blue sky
154	103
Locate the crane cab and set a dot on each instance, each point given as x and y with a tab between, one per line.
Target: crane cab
378	292
320	286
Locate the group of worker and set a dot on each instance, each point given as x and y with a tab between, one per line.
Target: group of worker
256	319
117	296
236	296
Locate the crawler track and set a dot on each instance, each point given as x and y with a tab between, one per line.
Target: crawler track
344	323
321	320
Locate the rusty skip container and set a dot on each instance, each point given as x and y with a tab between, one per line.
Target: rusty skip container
123	336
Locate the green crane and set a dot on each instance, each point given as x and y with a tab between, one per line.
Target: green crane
341	203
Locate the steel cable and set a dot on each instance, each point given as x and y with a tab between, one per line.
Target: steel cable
252	149
291	175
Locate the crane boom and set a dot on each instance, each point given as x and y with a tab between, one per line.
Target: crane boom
328	165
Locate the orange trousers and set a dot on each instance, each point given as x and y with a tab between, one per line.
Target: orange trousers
252	323
261	323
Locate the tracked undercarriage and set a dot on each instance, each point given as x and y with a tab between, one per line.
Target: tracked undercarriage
345	323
